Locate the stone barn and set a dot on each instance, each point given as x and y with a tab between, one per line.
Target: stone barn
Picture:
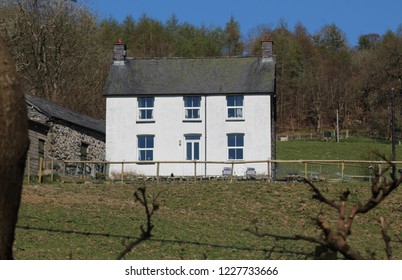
58	133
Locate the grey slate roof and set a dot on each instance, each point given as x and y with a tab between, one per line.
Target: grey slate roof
178	76
57	112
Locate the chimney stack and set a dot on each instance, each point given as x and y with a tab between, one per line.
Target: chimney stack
119	57
266	46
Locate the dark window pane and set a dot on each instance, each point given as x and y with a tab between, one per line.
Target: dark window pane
230	101
141	102
239	153
187	102
190	114
149	114
197	101
150	103
145	102
141	155
150	142
193	137
84	150
143	114
232	154
231	113
41	148
239	100
141	141
189	151
231	140
196	151
239	140
193	101
149	155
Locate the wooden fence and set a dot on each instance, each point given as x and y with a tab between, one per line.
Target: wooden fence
320	170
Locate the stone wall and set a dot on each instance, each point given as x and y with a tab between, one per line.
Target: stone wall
37	129
65	143
62	140
36	133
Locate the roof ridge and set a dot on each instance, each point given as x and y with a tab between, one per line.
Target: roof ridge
56	111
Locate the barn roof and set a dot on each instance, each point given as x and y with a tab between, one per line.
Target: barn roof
58	112
180	76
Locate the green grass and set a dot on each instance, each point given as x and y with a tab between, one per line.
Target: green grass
353	148
203	220
347	149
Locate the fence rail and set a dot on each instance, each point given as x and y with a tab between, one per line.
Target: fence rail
284	170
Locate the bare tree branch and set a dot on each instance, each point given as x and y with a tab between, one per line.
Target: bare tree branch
146	233
319	196
336	239
386	238
297	237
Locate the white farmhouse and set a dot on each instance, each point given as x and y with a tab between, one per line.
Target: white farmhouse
199	109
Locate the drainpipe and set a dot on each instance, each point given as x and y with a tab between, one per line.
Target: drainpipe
205	135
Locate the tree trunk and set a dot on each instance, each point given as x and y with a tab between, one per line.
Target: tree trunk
13	147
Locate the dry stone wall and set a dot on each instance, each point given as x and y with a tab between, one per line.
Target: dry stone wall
63	140
66	141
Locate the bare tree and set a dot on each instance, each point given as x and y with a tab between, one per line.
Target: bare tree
57	52
13	148
150	209
334	239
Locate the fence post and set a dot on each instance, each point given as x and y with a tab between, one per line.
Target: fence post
379	171
195	171
305	170
40	170
231	172
157	172
122	172
343	168
269	169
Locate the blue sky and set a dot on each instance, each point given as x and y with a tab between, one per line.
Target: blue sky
354	17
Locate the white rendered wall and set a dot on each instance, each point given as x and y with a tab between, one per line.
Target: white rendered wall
122	128
256	127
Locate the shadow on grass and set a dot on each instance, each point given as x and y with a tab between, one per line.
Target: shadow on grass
267	251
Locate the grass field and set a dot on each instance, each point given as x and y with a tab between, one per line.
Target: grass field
202	220
353	148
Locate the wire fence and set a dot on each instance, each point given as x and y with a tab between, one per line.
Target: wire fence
47	170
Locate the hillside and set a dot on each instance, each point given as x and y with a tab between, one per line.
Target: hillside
203	220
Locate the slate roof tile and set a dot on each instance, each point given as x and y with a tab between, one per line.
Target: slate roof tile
58	112
179	76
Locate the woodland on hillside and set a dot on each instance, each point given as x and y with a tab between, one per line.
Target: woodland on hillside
63	53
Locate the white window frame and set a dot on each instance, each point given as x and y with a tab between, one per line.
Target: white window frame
193	140
236	146
192	108
146	109
140	149
236	107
